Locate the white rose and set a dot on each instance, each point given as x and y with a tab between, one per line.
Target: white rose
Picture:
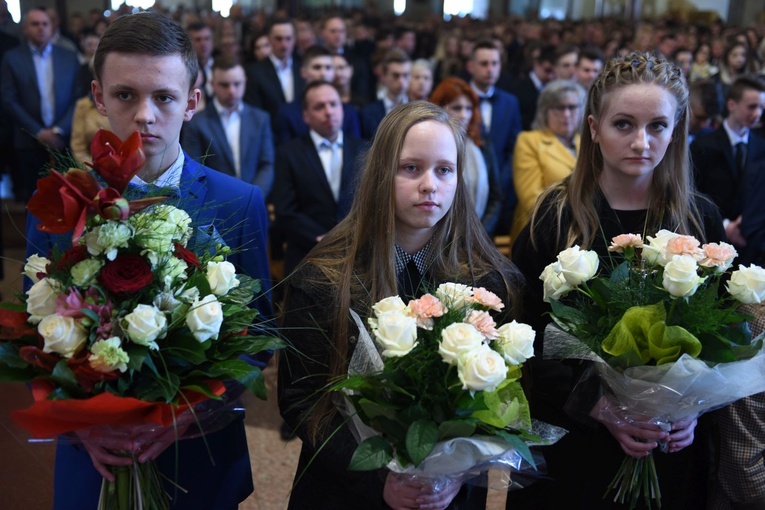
85	271
396	333
166	301
458	339
222	277
107	356
41	299
205	318
144	325
107	238
454	295
62	335
481	369
577	266
554	284
681	277
655	250
389	304
35	265
515	342
747	284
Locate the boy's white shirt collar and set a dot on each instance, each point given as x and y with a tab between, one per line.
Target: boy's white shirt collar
170	177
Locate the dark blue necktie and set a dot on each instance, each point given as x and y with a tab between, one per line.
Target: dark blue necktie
152	190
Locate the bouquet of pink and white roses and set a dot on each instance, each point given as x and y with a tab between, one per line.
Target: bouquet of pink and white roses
128	330
666	341
437	394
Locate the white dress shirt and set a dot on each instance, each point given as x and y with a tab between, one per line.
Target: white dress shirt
331	156
287	80
232	125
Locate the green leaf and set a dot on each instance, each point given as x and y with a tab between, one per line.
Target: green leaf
373	453
567	314
505	407
255	382
420	440
63	376
372	410
17	374
187	348
248	344
137	354
9	356
456	428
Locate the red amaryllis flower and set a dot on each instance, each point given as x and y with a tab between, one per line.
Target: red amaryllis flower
35	356
62	201
109	204
13	325
117	161
126	275
187	256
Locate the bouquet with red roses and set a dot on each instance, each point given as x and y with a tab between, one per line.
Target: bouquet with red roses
128	330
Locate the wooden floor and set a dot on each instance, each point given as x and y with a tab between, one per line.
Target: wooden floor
26	469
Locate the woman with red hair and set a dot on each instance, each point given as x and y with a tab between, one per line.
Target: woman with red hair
481	172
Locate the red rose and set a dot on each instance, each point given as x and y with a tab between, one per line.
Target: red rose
68	259
126	275
187	256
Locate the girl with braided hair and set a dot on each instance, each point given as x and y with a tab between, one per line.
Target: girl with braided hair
632	175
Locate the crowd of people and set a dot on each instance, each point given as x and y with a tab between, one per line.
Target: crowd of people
379	145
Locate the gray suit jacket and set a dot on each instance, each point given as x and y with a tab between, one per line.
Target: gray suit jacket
204	139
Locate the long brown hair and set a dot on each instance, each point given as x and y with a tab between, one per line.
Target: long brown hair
672	192
357	257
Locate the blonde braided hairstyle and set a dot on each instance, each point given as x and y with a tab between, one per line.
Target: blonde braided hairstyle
671	197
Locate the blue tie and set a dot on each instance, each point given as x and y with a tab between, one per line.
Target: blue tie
152	190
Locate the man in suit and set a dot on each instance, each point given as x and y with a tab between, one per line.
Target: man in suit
201	36
230	136
39	87
315	174
317	65
723	158
334	37
588	66
528	87
275	80
148	58
396	71
501	116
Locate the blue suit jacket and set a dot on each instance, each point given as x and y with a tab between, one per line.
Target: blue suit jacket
218	205
204	139
505	126
371	116
305	206
21	95
289	122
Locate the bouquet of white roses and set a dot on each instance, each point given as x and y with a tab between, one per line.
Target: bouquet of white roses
127	327
442	399
667	342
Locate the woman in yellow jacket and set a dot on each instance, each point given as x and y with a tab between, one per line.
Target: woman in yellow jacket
547	153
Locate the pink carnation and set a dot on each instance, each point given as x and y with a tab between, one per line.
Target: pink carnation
425	308
487	298
623	241
483	322
684	245
718	255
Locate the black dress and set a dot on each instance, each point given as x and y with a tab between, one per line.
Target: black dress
583	463
324	482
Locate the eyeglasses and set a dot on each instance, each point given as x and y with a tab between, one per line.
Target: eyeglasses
562	108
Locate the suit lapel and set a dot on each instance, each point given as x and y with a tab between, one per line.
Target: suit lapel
273	79
193	187
314	165
220	134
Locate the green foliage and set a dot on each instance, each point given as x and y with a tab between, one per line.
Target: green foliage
373	453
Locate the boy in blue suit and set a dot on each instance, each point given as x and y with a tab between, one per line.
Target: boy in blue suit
145	67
